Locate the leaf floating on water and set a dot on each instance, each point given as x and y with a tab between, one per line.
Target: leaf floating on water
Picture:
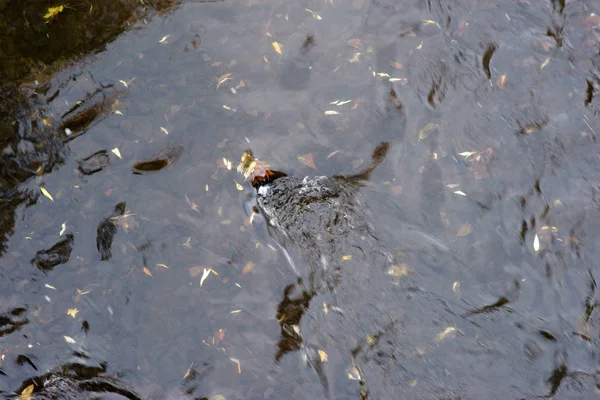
118	112
72	312
222	79
429	22
444	334
427	130
27	392
248	268
164	130
235	312
277	47
147	272
46	193
356	43
228	164
396	65
238	186
50	287
346	258
536	243
307	159
545	63
331	112
164	39
239	365
314	14
355	58
205	275
460	193
69	339
322	355
467	154
162	266
63	229
117	152
47	121
456	288
341	103
333	153
399	270
53	12
501	81
189	370
465	230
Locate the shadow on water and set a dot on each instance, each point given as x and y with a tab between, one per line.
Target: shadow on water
457	261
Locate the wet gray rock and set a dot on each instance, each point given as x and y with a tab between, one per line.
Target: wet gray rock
58	254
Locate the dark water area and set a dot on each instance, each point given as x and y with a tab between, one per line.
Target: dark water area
135	263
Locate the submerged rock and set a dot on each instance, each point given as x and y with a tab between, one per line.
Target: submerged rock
58	254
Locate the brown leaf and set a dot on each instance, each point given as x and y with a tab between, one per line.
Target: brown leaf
307	160
147	272
356	43
396	65
248	268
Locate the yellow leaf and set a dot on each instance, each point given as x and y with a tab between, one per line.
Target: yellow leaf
164	130
53	11
323	356
162	265
72	312
27	392
465	230
46	193
346	258
47	121
238	186
164	39
441	336
277	47
307	160
399	270
147	272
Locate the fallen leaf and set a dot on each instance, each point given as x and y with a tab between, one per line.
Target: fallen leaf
63	229
238	186
355	58
248	268
536	243
72	312
314	14
69	339
164	130
276	47
399	270
441	336
50	287
117	152
204	275
239	365
331	112
189	370
223	78
46	193
501	81
465	230
307	160
53	12
27	392
162	266
332	154
427	130
164	39
460	193
396	65
346	258
147	272
322	355
356	43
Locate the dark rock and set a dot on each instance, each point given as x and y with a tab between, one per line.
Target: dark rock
58	254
